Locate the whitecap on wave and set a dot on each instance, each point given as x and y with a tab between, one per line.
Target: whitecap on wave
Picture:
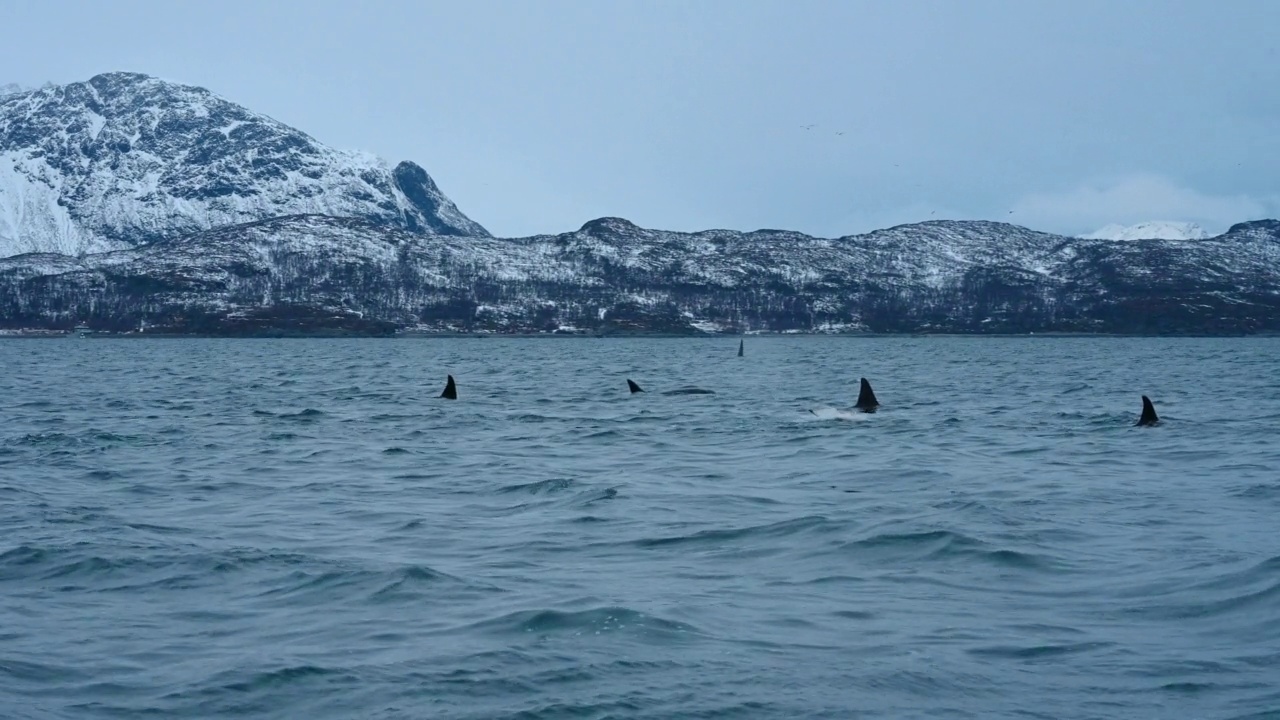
830	413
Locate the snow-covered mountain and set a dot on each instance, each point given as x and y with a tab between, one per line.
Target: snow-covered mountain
126	159
312	273
1155	230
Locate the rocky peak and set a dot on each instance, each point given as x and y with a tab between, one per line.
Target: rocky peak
610	227
124	159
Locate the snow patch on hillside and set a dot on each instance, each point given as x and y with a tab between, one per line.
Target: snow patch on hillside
1154	230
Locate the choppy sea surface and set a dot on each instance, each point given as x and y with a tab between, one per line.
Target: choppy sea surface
301	528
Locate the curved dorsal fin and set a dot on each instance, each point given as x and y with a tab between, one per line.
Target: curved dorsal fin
633	387
450	390
866	398
1149	416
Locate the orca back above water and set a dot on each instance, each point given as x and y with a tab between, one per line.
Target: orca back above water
450	390
866	398
682	391
1149	416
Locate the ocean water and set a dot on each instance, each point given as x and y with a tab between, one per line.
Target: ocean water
301	528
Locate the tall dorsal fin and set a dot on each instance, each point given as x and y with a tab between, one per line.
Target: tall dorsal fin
866	398
1149	416
633	387
740	344
450	390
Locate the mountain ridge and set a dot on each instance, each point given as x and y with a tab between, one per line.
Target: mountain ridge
309	274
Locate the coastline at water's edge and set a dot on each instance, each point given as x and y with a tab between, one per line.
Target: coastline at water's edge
417	335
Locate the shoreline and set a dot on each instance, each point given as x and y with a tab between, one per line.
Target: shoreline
413	335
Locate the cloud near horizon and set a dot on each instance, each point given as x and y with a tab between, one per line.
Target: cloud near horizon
1133	199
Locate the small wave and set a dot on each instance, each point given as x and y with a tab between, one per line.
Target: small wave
386	417
560	710
854	614
409	583
1038	652
33	563
40	672
35	404
303	415
929	541
276	680
824	580
1015	559
48	440
301	584
944	544
110	437
605	494
1261	491
161	529
1189	688
22	555
417	476
714	537
586	622
830	413
539	487
601	434
1255	587
239	559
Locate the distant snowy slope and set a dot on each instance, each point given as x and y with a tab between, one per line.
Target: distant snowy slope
125	159
1155	230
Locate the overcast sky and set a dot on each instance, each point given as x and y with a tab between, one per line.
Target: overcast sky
538	115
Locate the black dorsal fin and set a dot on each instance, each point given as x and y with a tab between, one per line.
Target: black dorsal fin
633	387
450	390
740	344
1149	416
866	398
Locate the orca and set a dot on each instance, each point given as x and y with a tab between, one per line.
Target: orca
867	402
682	391
1149	416
450	390
740	343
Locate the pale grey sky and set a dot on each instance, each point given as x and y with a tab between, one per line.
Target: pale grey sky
539	115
